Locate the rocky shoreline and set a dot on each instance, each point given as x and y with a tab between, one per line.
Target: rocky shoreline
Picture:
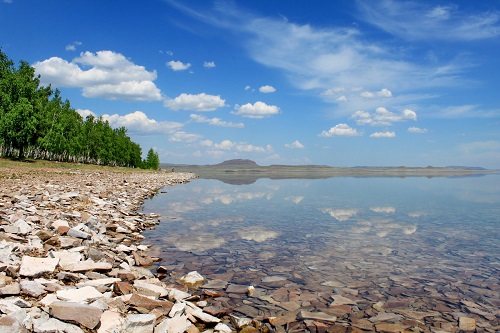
71	258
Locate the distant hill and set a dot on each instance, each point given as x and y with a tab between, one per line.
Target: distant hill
239	163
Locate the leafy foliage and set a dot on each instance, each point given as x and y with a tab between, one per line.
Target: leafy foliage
35	122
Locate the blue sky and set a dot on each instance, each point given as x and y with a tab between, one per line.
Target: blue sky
341	83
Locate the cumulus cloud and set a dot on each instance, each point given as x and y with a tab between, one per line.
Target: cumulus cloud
110	76
383	135
295	145
178	65
214	121
73	46
418	20
209	64
199	102
384	93
340	130
417	130
382	117
267	89
342	98
136	122
228	145
184	137
367	94
257	110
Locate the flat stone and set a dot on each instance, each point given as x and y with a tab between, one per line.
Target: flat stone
32	288
389	327
85	294
33	266
341	300
11	289
142	285
112	321
148	303
140	323
89	265
10	324
85	315
51	325
466	324
142	260
66	258
385	316
177	324
73	232
317	316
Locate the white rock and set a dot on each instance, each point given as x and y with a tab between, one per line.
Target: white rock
140	323
177	295
49	299
52	325
89	265
98	282
141	285
10	324
32	288
222	328
60	223
66	258
192	278
177	324
196	312
33	267
112	322
82	295
177	309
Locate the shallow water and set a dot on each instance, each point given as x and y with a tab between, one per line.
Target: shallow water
389	245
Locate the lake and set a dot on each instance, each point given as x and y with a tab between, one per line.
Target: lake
379	254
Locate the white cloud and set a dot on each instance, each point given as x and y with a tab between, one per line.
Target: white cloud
110	76
295	145
258	110
248	88
184	137
340	130
200	102
73	46
228	145
384	93
178	65
334	91
419	20
128	90
417	130
382	117
209	64
383	135
342	99
267	89
85	113
139	123
214	121
367	94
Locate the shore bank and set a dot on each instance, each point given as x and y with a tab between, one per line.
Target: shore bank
71	258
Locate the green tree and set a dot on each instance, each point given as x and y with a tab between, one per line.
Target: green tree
152	160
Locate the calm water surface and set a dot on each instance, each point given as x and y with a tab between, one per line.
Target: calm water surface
431	244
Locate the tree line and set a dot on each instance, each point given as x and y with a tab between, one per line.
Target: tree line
35	122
